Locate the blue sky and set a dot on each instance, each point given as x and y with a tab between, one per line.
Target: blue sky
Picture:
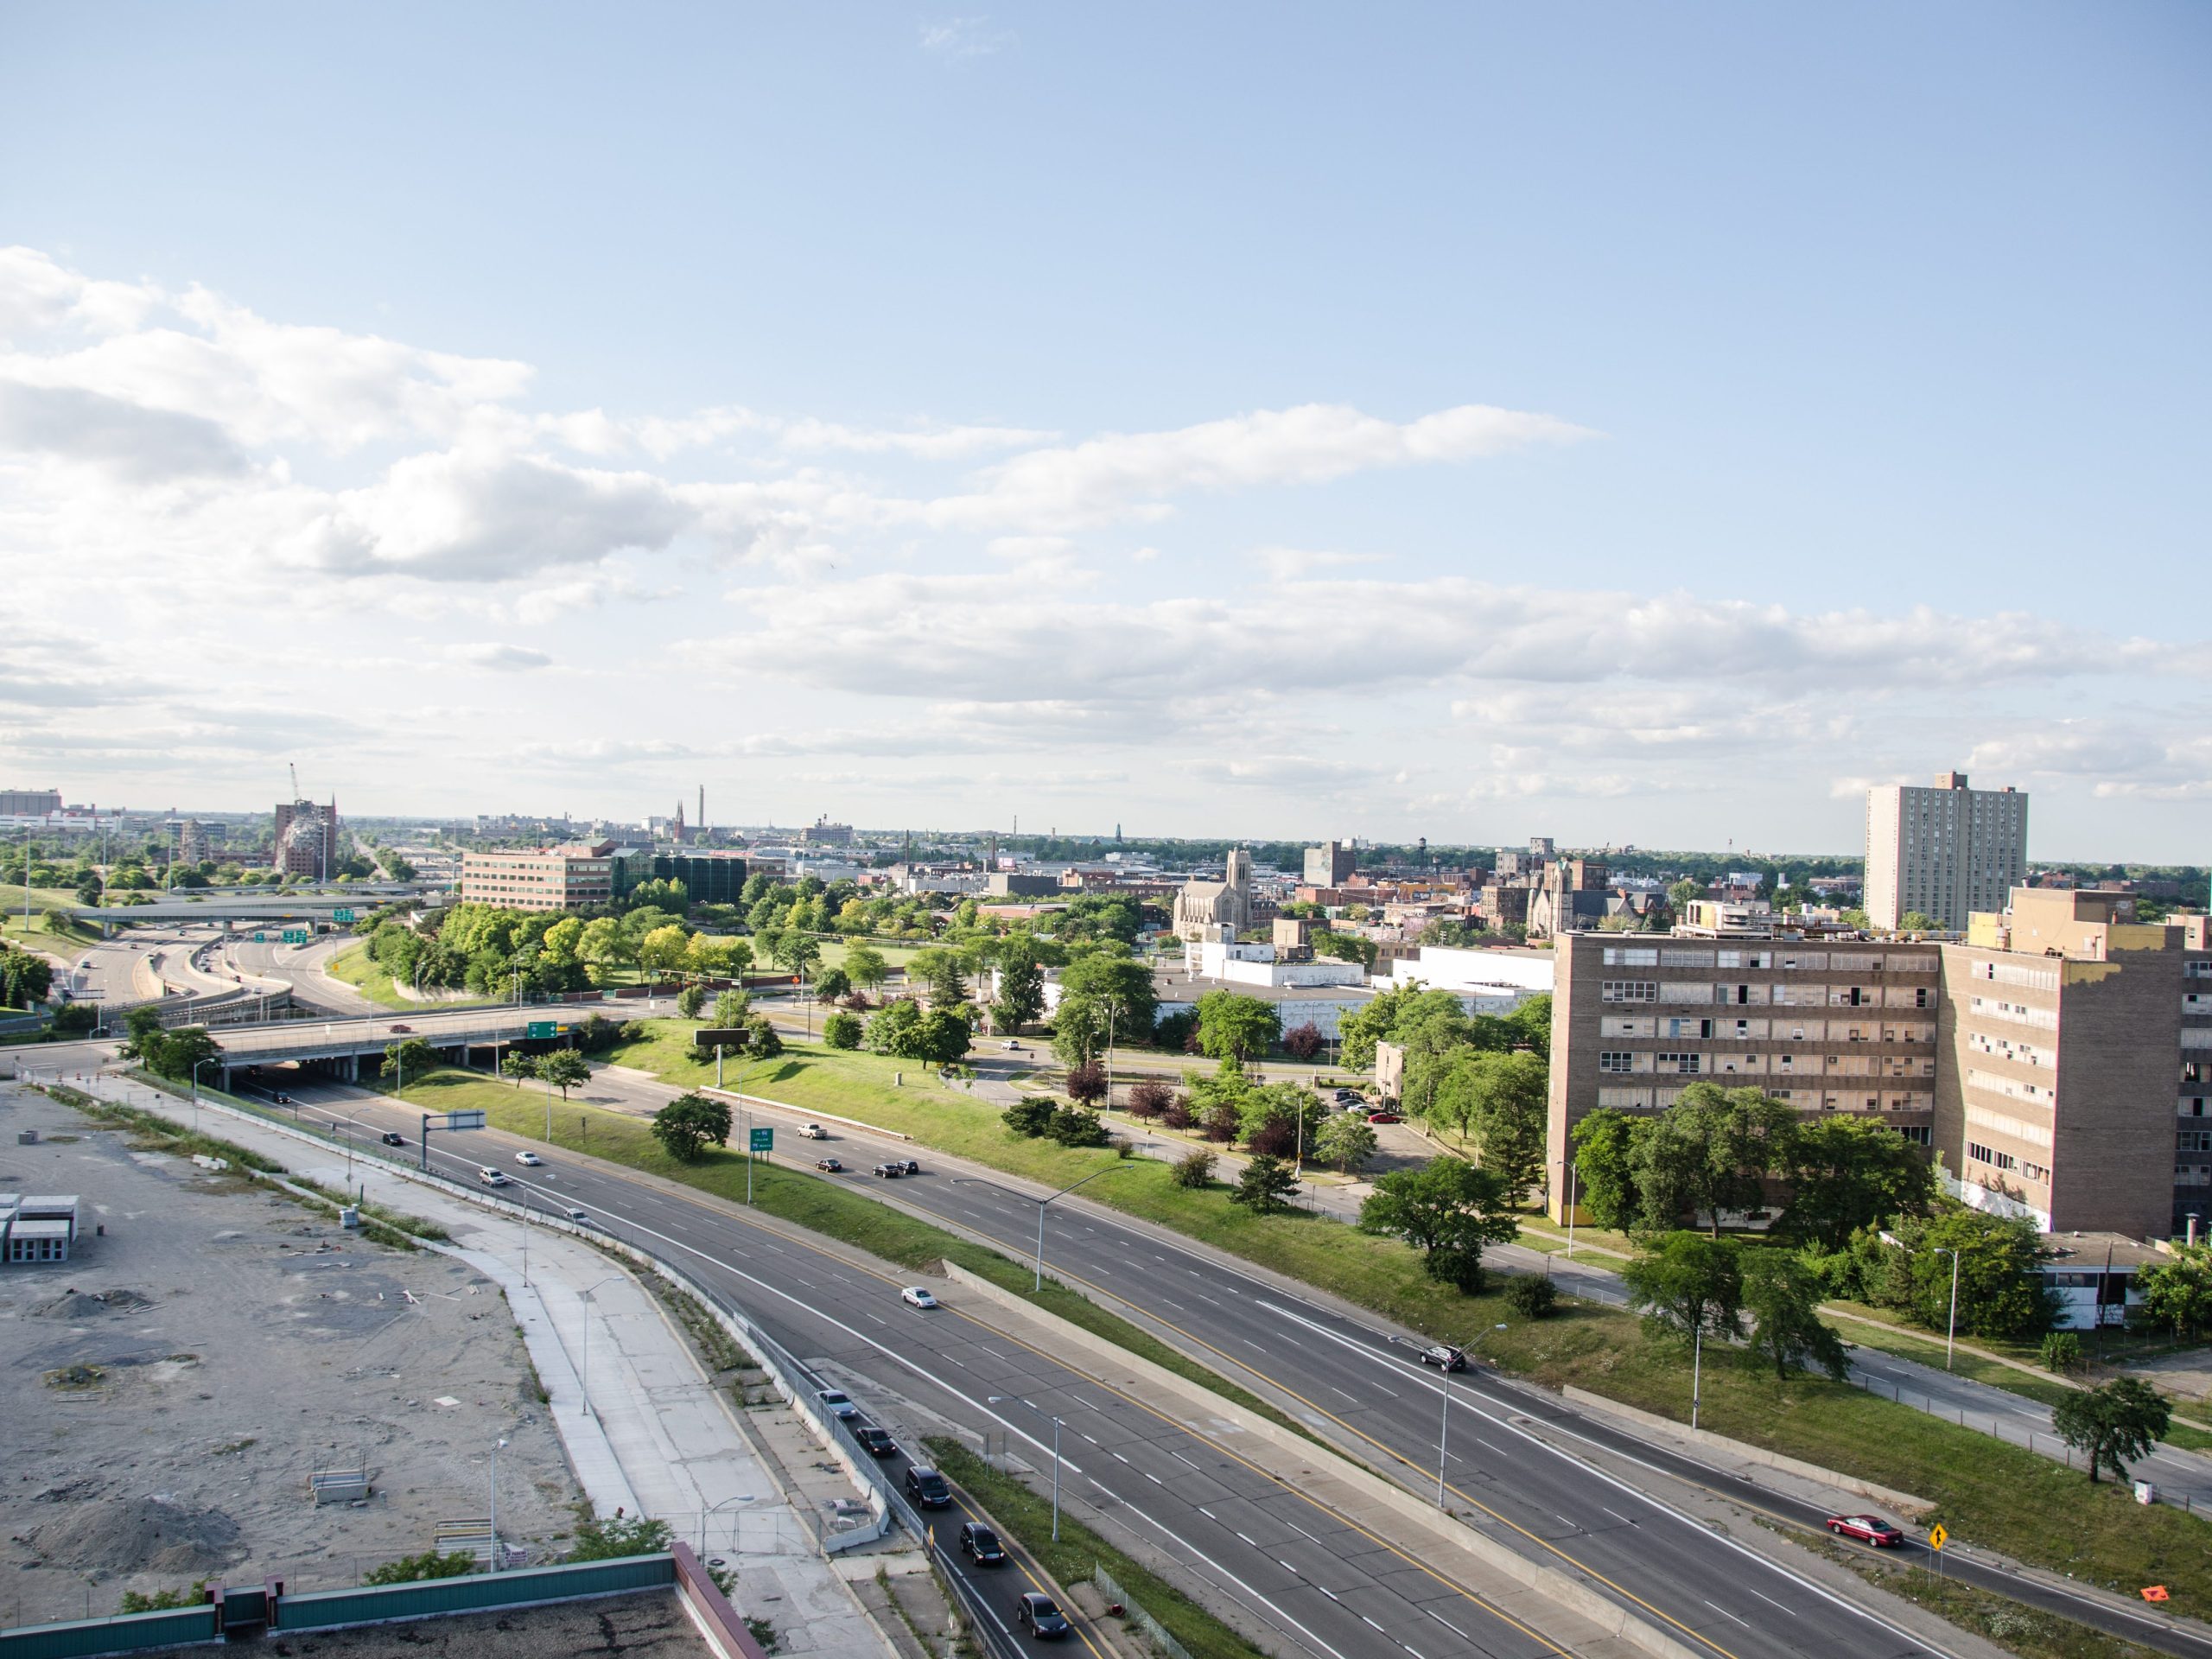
1844	375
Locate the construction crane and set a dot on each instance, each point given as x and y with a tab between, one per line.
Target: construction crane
295	771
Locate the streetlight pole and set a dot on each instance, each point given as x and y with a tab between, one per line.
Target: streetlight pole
496	1444
1571	1172
1951	1331
1697	1365
583	1372
1002	1399
196	1064
741	1497
1037	1280
1443	1424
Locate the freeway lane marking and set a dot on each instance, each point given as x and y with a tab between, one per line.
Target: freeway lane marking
1723	1612
1792	1611
1180	1457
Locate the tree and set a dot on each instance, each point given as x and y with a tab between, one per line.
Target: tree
1303	1042
522	1067
1447	1209
413	1569
2112	1425
1031	1116
1684	893
1234	1026
608	1540
1710	1151
2001	1291
565	1069
1193	1170
833	984
1074	1126
663	950
687	1125
1532	1295
1915	921
944	1038
891	1031
1500	1101
2177	1291
25	980
1122	985
689	1000
1604	1167
1087	1083
941	971
797	952
1149	1098
1346	1140
1848	1172
1783	1297
731	1008
1078	1029
866	966
410	1058
842	1031
1687	1284
178	1054
1021	990
762	1040
1531	1021
1267	1185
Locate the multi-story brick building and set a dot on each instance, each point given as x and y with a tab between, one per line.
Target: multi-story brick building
1829	1026
541	878
307	839
1945	852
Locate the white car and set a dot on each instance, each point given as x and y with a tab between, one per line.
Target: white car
916	1296
812	1132
492	1177
530	1160
836	1404
1011	1046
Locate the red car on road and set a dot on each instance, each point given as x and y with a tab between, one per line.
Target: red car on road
1867	1529
1384	1117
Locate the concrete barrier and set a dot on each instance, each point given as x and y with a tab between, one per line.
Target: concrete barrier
1905	1502
1554	1584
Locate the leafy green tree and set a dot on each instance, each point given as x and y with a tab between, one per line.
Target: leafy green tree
687	1125
1685	1283
1234	1026
2177	1291
663	949
522	1067
1078	1029
1709	1152
1847	1173
833	984
1193	1170
565	1069
1604	1167
842	1031
1344	1140
890	1031
1267	1185
1532	1295
1120	984
1783	1295
1448	1210
1030	1116
2114	1424
1684	893
1916	921
731	1008
430	1564
866	966
941	971
2001	1291
2062	1352
797	952
1531	1021
25	980
1500	1101
762	1040
1021	990
689	1000
945	1038
410	1058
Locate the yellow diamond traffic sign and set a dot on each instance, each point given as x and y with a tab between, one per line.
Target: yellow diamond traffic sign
1937	1537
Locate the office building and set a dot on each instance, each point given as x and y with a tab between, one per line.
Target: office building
1945	852
1329	864
541	878
30	803
707	878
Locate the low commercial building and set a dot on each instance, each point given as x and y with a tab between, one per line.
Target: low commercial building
1498	980
707	878
37	1227
541	878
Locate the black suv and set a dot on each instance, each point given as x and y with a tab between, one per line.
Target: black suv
927	1487
874	1441
1444	1357
392	1138
1041	1616
982	1545
891	1172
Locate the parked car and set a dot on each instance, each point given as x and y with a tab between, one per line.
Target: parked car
530	1160
838	1403
1041	1615
874	1441
982	1545
829	1165
492	1177
392	1138
927	1487
1867	1529
813	1132
891	1172
1444	1356
1011	1046
1384	1117
918	1296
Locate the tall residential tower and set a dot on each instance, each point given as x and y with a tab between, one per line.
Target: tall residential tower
1944	852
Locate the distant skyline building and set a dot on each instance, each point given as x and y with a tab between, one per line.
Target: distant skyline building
1944	852
1327	864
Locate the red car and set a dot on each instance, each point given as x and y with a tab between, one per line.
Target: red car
403	1027
1384	1117
1867	1529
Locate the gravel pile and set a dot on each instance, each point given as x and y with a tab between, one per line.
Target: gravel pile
138	1534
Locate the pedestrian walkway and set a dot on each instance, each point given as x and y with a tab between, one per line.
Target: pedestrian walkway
645	1431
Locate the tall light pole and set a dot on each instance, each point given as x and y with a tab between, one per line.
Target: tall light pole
741	1497
1443	1423
1036	1282
583	1372
1951	1331
1002	1399
196	1064
496	1444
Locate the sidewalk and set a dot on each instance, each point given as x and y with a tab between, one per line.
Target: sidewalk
650	1435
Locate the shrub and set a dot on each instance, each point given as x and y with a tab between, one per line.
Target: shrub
842	1031
1150	1098
2062	1352
1303	1042
1073	1127
1087	1083
411	1569
606	1540
1193	1170
1221	1121
1531	1296
1276	1138
1176	1115
1031	1116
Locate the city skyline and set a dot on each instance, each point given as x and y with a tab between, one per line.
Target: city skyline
1296	473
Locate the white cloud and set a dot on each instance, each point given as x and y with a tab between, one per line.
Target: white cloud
498	656
956	38
1296	563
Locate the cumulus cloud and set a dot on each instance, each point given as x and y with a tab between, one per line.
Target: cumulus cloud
138	444
498	656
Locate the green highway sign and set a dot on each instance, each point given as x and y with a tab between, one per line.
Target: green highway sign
540	1028
762	1140
341	915
296	936
261	938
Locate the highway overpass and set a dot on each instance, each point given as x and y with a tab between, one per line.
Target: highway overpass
335	1047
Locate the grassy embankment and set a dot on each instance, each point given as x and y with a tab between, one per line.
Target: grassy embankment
33	931
1990	1494
353	966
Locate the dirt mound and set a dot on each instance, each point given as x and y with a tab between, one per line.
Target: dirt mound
139	1534
87	1304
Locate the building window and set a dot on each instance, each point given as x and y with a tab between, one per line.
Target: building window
2194	1141
1630	990
1919	1134
1616	1062
1685	1064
